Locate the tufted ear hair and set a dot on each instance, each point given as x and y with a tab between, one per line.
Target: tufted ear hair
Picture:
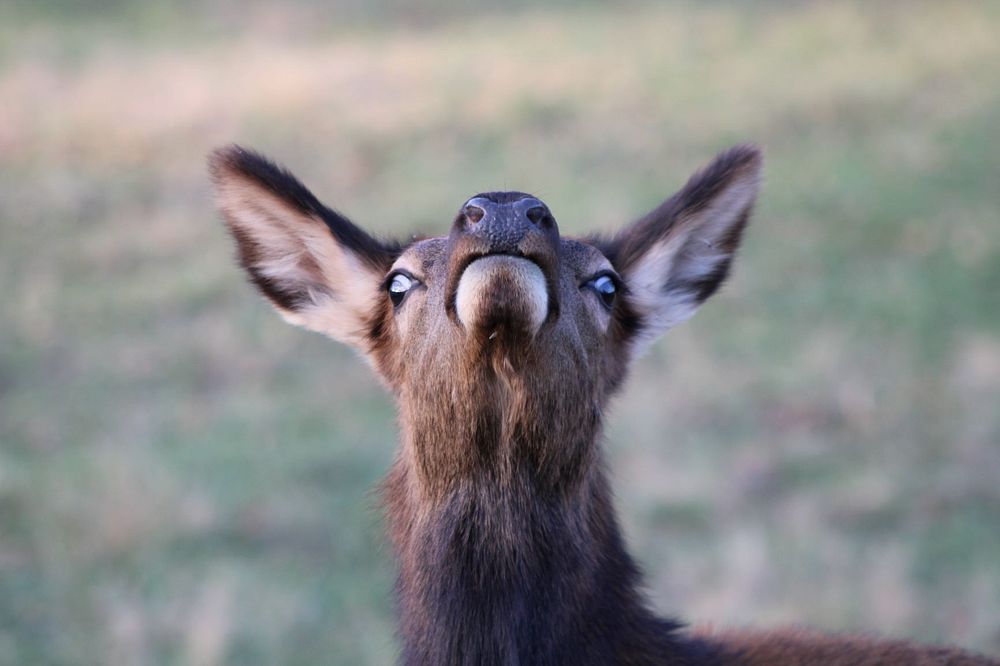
679	254
316	268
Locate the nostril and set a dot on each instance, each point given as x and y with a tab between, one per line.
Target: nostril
537	214
474	213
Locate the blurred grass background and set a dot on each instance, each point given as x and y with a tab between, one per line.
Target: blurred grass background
186	480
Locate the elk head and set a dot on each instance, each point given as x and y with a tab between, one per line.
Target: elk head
502	333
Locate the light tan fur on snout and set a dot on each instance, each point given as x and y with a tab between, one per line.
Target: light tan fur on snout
512	285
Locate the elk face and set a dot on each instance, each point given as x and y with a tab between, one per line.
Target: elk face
503	295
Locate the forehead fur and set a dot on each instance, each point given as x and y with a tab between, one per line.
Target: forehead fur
420	256
581	256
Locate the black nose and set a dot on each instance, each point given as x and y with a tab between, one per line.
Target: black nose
503	220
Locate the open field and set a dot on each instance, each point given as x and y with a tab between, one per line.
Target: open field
184	479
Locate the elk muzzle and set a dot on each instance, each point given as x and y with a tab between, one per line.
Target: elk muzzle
503	267
501	291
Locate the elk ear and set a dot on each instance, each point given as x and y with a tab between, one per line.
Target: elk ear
679	254
318	269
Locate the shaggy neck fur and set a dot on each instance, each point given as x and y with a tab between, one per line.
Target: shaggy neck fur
509	548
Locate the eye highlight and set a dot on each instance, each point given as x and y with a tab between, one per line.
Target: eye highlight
604	286
399	285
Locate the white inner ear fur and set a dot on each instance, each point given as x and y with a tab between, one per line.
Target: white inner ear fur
663	281
292	247
341	310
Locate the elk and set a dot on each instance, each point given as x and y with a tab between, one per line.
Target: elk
501	344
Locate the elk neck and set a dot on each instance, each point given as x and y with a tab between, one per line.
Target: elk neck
501	518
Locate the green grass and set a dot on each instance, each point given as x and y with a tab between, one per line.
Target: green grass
184	479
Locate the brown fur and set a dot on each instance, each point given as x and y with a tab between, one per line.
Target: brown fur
498	505
806	647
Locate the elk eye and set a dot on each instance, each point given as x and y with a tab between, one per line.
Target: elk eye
399	286
605	288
